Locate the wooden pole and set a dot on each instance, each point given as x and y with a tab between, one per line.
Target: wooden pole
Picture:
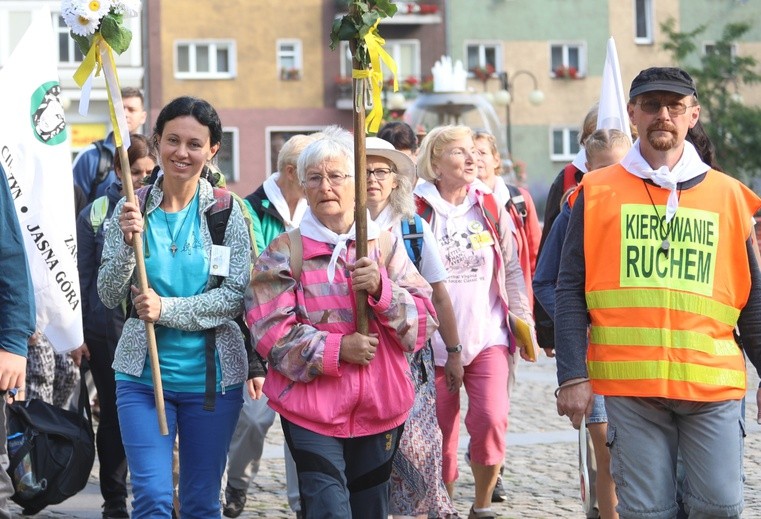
142	281
360	183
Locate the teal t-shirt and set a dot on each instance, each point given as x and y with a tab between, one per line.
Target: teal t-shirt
177	266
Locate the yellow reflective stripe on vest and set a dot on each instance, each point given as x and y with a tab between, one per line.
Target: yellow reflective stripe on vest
664	370
681	301
663	337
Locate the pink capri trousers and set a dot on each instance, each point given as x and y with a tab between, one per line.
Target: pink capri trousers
485	382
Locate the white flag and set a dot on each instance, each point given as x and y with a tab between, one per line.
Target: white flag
612	113
36	158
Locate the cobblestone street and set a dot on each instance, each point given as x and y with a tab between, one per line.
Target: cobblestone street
541	474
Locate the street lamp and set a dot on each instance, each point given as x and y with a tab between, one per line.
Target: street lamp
504	97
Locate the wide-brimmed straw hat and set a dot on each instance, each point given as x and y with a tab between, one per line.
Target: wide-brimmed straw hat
377	147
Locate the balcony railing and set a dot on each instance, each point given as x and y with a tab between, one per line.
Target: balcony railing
422	12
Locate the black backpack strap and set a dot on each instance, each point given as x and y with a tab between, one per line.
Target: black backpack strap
518	201
105	165
217	219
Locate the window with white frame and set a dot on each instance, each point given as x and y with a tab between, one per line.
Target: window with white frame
289	59
568	60
406	54
227	159
643	21
564	143
483	56
711	48
68	50
204	59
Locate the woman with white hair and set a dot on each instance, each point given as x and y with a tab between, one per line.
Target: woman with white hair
343	396
417	488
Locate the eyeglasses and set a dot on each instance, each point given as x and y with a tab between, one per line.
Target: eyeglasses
334	179
380	173
653	106
462	152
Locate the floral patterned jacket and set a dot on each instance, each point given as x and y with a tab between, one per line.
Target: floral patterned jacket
298	326
215	308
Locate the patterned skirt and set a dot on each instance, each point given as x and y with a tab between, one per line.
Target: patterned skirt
416	484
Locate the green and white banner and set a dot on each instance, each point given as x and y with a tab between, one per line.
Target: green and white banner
36	159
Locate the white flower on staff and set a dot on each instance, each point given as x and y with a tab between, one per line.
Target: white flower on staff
128	8
95	9
79	23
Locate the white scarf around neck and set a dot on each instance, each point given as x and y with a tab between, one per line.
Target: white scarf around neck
386	219
312	228
431	195
276	198
689	166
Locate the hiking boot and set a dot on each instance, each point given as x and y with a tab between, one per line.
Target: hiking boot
235	500
488	514
115	510
498	495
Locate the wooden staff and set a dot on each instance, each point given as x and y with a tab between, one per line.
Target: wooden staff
360	183
142	282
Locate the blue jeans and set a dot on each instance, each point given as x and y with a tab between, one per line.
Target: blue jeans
342	477
645	435
598	411
204	438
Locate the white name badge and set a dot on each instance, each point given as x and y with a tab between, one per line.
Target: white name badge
220	260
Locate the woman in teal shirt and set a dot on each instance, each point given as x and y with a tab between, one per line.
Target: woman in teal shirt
196	293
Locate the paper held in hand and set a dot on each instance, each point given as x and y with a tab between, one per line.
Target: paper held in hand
522	332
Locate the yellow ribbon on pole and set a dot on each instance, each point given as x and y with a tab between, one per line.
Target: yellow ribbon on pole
116	108
92	60
374	75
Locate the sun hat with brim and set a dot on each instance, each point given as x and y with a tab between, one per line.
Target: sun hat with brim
377	147
663	79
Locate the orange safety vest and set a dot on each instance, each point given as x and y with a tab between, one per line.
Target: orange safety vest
661	324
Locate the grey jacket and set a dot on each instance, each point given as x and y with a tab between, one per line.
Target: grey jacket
215	308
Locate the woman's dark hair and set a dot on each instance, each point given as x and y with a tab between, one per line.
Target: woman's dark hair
139	148
698	137
400	135
197	108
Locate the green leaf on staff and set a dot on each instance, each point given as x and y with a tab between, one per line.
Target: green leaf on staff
344	30
355	25
368	21
386	7
115	34
83	42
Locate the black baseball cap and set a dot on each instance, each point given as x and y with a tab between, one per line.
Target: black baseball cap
663	79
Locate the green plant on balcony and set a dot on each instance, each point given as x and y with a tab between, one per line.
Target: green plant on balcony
426	85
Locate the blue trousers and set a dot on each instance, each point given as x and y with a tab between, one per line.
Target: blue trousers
341	478
204	438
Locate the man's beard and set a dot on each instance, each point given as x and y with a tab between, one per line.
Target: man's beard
662	142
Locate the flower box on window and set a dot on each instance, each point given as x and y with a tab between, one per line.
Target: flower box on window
290	74
566	72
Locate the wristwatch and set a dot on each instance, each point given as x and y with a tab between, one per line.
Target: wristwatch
454	349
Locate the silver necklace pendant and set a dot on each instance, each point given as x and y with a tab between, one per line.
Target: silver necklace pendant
665	245
173	248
